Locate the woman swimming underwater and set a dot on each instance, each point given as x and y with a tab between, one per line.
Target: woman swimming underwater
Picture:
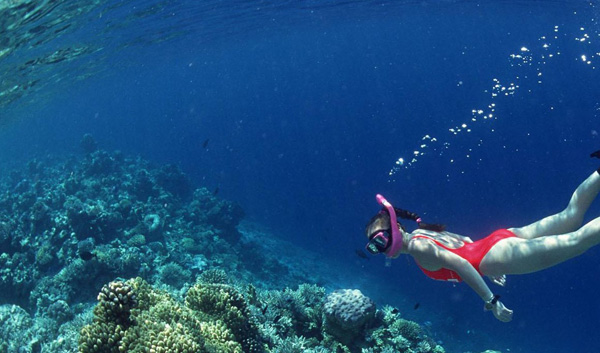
451	257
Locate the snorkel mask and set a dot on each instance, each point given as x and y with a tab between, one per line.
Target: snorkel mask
385	236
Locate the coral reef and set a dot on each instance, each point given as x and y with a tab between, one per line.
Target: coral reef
133	316
399	335
213	319
105	216
16	330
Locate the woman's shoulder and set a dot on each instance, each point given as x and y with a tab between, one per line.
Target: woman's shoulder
423	238
445	239
425	233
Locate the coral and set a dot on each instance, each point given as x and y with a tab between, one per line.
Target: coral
347	313
218	338
399	334
18	276
305	307
225	303
161	324
137	240
110	210
224	215
290	320
164	325
15	328
115	302
105	215
294	312
60	311
295	344
174	275
214	276
101	338
44	256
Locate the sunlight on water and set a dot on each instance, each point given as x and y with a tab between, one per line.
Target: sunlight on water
532	57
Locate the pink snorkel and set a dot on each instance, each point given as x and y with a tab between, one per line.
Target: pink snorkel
394	249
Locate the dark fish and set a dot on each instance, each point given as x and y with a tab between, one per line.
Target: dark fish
361	254
264	310
395	311
86	255
216	192
417	306
277	318
205	143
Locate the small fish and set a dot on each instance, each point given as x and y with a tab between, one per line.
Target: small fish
395	311
361	254
86	255
264	310
205	143
417	306
216	192
277	318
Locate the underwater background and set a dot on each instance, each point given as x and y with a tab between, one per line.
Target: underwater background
172	139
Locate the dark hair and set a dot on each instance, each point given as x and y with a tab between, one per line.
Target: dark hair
404	214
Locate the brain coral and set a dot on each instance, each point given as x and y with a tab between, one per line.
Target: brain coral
347	313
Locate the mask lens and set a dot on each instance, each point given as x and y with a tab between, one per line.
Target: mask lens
378	242
372	249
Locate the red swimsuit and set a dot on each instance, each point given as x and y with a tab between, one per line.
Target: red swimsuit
472	252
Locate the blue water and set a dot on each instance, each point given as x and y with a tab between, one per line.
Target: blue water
308	105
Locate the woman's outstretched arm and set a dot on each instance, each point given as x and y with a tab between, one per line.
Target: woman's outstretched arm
471	277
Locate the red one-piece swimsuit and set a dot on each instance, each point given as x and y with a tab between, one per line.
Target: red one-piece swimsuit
472	252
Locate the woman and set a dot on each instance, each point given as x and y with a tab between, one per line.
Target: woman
451	257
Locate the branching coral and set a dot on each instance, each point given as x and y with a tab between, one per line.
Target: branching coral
115	302
399	334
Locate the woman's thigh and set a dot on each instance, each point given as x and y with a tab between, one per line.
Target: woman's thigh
559	223
519	256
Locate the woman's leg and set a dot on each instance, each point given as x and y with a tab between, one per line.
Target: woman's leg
570	218
518	256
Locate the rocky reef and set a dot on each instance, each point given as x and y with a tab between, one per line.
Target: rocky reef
73	229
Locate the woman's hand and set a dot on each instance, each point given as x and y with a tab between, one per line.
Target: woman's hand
499	280
501	312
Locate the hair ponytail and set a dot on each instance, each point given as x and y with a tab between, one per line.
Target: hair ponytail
404	214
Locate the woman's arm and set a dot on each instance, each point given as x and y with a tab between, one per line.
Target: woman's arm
466	271
471	277
427	253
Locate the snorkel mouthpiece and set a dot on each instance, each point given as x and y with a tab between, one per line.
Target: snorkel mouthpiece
393	250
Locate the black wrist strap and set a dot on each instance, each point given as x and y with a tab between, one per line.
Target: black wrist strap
495	299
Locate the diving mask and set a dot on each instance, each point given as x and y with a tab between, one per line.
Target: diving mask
384	234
